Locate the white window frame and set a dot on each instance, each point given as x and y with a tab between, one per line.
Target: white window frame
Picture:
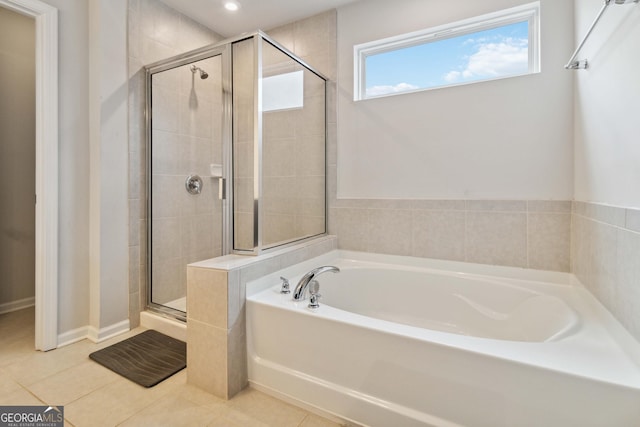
528	12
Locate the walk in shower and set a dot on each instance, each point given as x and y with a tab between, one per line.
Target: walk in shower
236	137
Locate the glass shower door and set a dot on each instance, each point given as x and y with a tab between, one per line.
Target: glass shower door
186	162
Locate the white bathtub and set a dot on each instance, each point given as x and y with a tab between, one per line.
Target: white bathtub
400	341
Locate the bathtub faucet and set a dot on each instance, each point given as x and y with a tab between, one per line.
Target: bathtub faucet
301	287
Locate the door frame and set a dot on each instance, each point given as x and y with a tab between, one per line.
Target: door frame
46	268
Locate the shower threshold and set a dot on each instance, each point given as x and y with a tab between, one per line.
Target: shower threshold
178	304
171	327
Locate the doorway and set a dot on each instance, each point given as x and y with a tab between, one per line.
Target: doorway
17	161
46	167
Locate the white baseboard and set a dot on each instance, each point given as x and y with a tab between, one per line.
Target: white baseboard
99	335
8	307
93	334
72	336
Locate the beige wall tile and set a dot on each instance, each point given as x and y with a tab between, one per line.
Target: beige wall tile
438	234
548	241
207	296
439	205
628	274
237	357
580	247
352	228
602	264
389	231
497	205
605	259
607	214
496	238
632	221
207	358
560	206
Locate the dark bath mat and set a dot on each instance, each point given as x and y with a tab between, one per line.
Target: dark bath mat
146	359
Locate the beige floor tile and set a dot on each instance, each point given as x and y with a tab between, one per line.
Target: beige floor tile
71	384
17	324
15	350
199	396
44	364
224	422
173	410
19	397
110	405
7	384
313	420
252	407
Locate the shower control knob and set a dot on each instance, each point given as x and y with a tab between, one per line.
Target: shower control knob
193	184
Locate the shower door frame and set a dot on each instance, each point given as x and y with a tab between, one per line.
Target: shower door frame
258	245
224	48
224	51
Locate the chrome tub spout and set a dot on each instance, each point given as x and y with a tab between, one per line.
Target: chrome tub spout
301	288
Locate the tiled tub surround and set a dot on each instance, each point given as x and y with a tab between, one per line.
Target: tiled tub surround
216	333
516	233
605	248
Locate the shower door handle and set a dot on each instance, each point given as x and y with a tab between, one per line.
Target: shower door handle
222	188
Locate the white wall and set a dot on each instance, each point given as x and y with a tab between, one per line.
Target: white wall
506	139
109	162
607	122
17	160
73	306
75	180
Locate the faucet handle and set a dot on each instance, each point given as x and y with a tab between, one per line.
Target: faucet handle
314	287
285	286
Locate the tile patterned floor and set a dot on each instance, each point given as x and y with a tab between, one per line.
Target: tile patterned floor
94	396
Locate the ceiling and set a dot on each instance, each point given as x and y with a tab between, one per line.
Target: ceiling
253	14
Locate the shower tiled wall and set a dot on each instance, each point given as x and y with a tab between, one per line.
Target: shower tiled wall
605	247
155	32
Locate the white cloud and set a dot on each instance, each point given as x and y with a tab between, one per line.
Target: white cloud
507	57
452	76
387	89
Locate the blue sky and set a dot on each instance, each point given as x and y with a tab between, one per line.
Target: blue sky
486	54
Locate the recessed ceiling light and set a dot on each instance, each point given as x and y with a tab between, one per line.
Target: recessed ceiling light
231	6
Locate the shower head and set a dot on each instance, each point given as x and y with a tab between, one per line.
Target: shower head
203	73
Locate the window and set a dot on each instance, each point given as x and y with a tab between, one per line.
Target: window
493	46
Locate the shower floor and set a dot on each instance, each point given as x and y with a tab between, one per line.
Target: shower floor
178	304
